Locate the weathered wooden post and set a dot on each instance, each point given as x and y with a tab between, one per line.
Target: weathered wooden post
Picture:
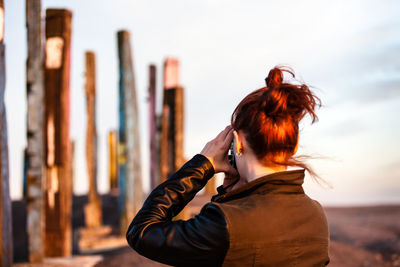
113	161
153	130
93	208
131	191
35	174
58	197
6	241
171	146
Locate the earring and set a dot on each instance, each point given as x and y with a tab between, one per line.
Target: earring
239	154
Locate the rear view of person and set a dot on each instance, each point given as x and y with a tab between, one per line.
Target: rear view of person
261	215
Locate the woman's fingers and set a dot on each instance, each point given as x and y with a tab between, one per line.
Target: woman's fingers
225	137
228	138
217	150
222	135
226	131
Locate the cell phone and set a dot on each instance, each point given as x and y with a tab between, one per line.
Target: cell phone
231	156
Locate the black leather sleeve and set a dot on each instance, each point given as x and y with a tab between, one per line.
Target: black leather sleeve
200	241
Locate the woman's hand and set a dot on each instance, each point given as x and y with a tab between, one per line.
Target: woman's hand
217	152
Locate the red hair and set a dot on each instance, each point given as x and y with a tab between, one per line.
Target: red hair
269	118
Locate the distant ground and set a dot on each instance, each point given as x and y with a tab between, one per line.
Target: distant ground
365	236
360	236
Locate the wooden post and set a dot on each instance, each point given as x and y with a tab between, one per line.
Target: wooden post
58	197
171	146
157	174
35	174
6	241
131	186
112	161
25	174
72	164
153	130
93	208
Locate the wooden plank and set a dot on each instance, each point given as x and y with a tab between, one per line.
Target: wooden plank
35	174
178	127
6	240
93	208
112	161
131	188
172	156
58	197
153	131
164	142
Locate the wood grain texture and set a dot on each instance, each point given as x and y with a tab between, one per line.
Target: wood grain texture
153	130
6	240
35	175
172	136
93	208
58	240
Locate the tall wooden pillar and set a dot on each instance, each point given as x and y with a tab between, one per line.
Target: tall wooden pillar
131	187
35	174
153	130
113	161
6	241
58	197
172	157
93	208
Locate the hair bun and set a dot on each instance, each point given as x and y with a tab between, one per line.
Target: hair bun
283	99
275	78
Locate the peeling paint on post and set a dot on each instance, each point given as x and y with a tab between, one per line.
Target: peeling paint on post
171	147
58	196
34	153
131	192
6	241
93	208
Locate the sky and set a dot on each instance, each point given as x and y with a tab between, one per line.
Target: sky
349	51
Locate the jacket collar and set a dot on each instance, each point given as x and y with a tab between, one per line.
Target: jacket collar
286	182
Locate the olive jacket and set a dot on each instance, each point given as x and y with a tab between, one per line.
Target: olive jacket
267	222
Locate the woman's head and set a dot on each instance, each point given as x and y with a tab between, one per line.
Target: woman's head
269	118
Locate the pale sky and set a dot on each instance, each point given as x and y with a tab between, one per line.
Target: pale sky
348	50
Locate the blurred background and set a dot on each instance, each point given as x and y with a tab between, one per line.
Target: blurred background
348	50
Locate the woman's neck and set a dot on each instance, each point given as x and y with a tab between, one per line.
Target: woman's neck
252	168
249	166
254	171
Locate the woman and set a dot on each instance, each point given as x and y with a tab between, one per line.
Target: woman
261	216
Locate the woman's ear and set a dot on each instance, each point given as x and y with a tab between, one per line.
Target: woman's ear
238	143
